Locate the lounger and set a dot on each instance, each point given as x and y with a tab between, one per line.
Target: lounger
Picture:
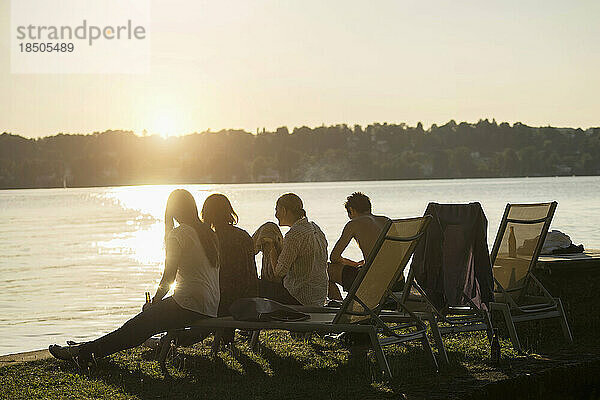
450	282
519	295
361	309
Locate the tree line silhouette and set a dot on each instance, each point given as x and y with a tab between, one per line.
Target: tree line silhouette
325	153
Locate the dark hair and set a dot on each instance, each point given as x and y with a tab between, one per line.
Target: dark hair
217	211
292	203
359	202
182	207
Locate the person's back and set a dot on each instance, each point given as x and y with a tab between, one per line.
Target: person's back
365	228
197	286
238	277
306	277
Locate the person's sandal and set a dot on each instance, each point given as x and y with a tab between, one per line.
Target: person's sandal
67	353
72	353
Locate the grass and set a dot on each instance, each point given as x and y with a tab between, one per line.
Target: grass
318	369
284	368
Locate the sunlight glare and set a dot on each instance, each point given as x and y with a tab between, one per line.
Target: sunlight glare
166	120
142	240
164	125
144	246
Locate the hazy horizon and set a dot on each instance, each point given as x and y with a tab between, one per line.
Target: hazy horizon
273	130
238	65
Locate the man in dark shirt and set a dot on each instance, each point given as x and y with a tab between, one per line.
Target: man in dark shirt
365	228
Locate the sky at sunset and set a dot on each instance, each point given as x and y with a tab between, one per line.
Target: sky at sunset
265	63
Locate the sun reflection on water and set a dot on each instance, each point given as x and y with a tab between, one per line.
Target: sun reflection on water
150	200
144	245
141	238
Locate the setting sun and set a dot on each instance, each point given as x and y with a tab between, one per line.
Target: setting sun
165	125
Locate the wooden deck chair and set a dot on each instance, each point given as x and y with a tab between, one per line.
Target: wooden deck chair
360	310
519	295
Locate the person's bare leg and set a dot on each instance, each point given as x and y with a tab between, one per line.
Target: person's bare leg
335	276
334	292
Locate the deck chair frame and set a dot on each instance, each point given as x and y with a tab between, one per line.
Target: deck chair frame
546	305
456	319
327	320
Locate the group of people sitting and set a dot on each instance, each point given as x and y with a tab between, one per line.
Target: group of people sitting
213	264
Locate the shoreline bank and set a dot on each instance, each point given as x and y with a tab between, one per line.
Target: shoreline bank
17	358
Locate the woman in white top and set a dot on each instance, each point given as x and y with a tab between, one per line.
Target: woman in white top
192	260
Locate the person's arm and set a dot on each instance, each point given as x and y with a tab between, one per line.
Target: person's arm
252	284
340	246
171	265
256	246
271	250
283	258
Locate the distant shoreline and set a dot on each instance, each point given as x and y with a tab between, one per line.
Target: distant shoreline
378	151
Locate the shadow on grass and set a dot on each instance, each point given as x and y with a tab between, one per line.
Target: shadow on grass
282	368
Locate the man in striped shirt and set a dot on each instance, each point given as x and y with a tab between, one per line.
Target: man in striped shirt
301	261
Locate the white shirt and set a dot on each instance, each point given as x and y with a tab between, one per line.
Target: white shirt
197	281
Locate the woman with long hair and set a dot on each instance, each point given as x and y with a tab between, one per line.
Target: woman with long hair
192	260
237	276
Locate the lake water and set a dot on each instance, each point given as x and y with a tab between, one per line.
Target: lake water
75	263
